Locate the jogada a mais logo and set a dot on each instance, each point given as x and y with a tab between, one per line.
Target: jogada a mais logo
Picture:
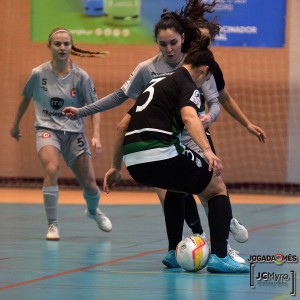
277	259
267	278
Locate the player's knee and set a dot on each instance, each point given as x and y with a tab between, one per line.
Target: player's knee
215	187
90	186
51	170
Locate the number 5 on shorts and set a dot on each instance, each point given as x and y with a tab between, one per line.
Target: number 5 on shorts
80	142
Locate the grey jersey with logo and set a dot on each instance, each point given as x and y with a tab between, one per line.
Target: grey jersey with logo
153	67
138	80
51	94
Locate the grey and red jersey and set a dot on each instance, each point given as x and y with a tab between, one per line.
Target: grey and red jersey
51	94
139	79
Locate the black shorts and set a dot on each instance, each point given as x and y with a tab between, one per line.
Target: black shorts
188	172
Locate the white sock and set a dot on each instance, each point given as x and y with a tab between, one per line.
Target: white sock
50	194
92	202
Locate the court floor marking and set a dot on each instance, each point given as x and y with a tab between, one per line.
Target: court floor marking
258	228
114	261
110	262
69	196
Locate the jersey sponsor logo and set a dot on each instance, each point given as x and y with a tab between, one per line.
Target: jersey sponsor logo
196	98
73	93
46	135
52	113
56	103
155	75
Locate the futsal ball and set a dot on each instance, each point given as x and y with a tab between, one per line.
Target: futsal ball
192	253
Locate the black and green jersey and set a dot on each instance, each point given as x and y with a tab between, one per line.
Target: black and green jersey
155	127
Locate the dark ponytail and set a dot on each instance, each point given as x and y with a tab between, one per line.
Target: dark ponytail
199	54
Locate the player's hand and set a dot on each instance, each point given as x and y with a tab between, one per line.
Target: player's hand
71	112
257	131
205	120
15	132
96	144
214	163
111	178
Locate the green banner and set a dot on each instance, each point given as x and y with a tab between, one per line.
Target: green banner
101	22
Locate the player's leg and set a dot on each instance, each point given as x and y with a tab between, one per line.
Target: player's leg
49	158
190	174
174	220
78	158
48	153
84	172
191	216
219	217
161	194
239	231
196	179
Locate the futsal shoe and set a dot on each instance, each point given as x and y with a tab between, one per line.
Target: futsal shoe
101	219
235	255
53	233
225	265
239	231
170	260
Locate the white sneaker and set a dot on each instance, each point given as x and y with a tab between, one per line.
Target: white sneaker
239	231
53	233
102	220
235	255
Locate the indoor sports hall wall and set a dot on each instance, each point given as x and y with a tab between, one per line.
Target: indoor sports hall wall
260	80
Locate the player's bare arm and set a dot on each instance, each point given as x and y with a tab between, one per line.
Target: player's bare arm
197	133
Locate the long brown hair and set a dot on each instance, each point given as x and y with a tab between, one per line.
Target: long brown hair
75	51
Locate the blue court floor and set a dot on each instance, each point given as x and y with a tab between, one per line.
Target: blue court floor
126	263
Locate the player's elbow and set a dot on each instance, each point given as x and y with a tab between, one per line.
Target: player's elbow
188	119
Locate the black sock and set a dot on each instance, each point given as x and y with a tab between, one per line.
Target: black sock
174	217
230	205
191	214
219	216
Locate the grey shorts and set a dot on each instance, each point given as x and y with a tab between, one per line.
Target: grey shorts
189	142
70	144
